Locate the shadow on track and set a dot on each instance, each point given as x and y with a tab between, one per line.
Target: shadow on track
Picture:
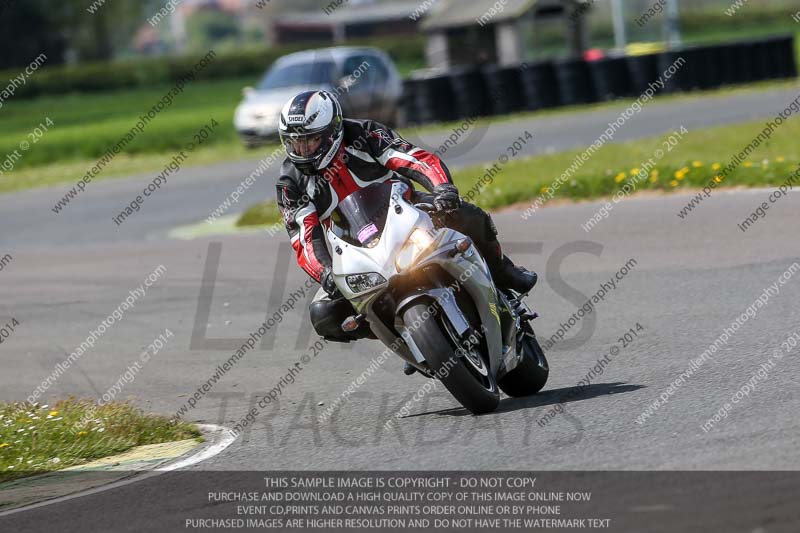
548	397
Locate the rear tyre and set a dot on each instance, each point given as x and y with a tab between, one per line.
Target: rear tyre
531	373
478	393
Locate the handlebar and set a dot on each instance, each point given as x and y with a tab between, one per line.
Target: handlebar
438	217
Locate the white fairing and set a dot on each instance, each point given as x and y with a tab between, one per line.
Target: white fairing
381	258
469	268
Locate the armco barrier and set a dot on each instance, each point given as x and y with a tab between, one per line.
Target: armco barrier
495	90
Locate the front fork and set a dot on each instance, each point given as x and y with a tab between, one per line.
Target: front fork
513	321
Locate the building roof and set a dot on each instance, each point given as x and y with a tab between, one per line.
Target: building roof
350	14
459	13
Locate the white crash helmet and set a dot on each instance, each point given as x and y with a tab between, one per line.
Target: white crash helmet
303	118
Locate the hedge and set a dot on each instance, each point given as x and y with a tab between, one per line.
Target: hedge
94	77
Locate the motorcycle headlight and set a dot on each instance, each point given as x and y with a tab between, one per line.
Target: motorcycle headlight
364	282
418	242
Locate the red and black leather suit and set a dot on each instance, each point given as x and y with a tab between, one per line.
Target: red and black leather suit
370	153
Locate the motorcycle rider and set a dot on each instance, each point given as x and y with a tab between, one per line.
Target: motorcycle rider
330	157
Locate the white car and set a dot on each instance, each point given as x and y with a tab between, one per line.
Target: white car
365	80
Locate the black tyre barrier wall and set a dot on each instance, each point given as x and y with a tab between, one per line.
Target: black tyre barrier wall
781	52
611	78
762	62
728	67
745	70
748	61
685	79
504	85
431	100
574	82
643	71
708	67
471	96
539	85
407	101
494	90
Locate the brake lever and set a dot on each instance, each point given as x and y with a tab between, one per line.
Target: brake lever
438	216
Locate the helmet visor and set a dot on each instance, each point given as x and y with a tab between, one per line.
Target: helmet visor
306	145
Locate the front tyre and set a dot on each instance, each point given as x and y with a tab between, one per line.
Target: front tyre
478	393
532	371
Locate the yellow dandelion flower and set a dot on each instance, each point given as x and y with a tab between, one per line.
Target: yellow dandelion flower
718	179
673	183
53	413
680	178
780	159
543	190
697	164
748	164
634	171
653	179
716	166
619	177
4	445
679	174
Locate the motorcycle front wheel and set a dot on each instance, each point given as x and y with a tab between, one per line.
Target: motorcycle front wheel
465	375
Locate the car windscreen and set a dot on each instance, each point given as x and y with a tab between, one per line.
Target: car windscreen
299	74
360	218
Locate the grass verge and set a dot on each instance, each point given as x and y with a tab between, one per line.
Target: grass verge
696	159
260	214
41	438
86	125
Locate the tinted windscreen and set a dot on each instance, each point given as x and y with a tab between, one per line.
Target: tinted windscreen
360	218
316	73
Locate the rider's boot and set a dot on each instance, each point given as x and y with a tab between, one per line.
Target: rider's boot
328	314
505	273
478	224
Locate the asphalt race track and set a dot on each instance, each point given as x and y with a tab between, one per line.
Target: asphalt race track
689	280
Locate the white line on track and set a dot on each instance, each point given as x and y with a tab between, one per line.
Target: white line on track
225	438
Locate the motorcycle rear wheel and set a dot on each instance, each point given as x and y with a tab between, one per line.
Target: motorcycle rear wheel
531	373
435	345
